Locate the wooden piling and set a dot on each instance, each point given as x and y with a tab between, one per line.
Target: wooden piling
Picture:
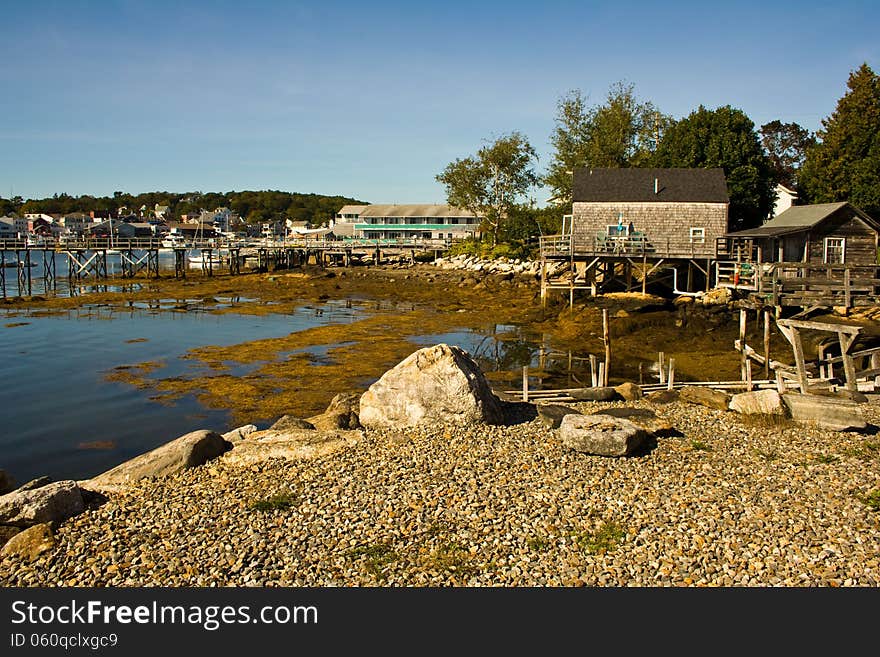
780	382
606	339
670	382
594	370
766	344
742	341
660	366
525	383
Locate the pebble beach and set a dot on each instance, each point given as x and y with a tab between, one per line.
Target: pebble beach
719	501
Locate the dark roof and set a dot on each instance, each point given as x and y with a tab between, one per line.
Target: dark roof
798	218
638	185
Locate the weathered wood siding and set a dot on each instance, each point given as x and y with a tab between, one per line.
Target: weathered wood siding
861	239
662	223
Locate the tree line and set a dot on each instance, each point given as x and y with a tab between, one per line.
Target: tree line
840	162
253	206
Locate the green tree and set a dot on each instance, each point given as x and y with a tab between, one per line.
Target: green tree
724	137
845	164
622	132
786	145
489	183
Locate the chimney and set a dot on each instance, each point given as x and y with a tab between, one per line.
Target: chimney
656	186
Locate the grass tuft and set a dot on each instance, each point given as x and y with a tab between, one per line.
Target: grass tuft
605	539
279	502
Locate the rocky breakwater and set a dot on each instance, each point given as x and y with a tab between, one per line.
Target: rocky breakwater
501	266
408	484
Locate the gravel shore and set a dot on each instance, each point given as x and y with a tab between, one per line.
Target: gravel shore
722	502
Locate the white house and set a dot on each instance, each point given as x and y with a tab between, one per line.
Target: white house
785	198
407	221
7	228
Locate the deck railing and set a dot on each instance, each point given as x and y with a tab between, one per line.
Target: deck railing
794	282
145	243
624	246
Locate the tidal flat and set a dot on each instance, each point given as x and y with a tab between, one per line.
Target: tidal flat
399	309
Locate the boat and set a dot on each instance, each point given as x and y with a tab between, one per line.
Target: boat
205	259
173	241
35	240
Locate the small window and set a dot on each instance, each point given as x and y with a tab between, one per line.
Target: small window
835	248
698	235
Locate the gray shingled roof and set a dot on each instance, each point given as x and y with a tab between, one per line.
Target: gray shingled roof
637	186
414	211
800	217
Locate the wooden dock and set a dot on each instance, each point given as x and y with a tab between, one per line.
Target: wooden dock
87	258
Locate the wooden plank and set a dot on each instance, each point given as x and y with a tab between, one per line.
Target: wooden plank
849	367
798	348
849	329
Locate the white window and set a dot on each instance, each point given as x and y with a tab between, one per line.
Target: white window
698	235
835	248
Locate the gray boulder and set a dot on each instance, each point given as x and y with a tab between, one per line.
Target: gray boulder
30	543
663	396
439	384
825	412
342	413
189	451
34	484
629	391
51	503
240	433
551	414
644	418
716	399
600	393
602	435
289	445
758	402
288	422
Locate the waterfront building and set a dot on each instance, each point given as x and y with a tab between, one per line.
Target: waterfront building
406	221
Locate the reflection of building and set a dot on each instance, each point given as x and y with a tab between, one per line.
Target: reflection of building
408	221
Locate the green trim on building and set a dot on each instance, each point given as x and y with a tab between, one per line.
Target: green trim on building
392	227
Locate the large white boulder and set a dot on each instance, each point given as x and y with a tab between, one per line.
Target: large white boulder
439	384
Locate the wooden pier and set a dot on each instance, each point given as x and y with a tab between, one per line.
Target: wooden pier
88	258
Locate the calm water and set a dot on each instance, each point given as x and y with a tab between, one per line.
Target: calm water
63	418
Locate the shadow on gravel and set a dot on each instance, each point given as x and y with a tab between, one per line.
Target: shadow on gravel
518	412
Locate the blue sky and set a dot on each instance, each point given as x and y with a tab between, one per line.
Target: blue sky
372	100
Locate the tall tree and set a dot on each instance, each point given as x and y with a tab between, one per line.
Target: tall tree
621	132
786	145
489	183
845	165
724	137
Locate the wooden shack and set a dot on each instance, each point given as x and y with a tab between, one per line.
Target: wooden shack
824	233
669	212
822	255
631	224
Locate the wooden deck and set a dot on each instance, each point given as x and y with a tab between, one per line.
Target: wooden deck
802	285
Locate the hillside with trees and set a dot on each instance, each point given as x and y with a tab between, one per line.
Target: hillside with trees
253	206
